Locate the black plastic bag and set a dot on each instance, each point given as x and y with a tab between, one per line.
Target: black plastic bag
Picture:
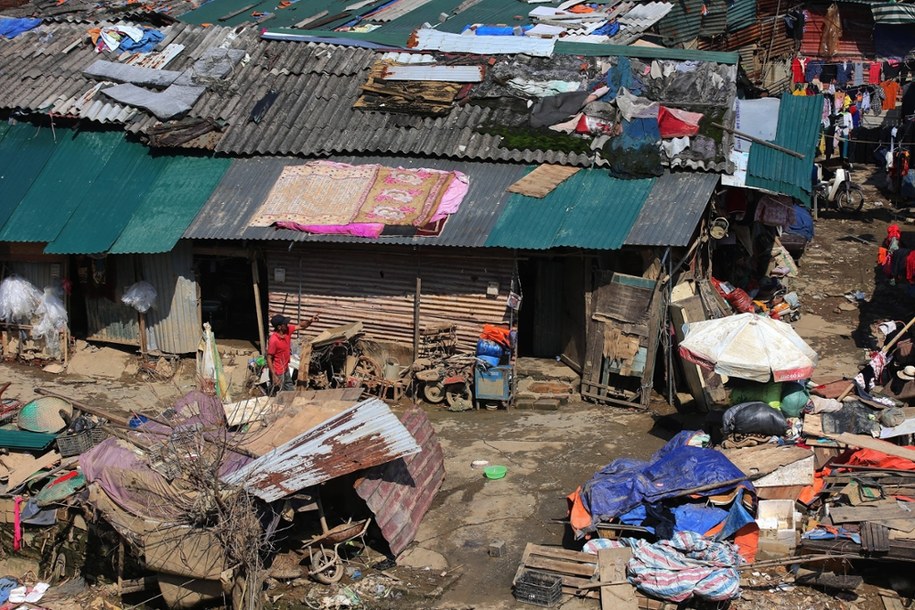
754	418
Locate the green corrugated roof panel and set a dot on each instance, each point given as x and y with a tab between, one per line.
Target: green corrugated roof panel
24	151
25	441
106	208
741	14
590	210
173	201
212	12
798	129
682	23
78	158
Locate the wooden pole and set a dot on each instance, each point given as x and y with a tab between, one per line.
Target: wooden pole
143	343
416	301
760	141
885	350
261	334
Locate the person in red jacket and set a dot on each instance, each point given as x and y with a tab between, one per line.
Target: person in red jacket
279	350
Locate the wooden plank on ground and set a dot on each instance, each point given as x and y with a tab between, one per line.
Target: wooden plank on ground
558	566
612	567
540	182
869	442
854	514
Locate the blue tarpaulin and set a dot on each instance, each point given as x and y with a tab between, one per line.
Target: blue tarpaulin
10	28
626	483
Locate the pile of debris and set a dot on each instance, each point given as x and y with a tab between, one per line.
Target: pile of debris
792	473
207	500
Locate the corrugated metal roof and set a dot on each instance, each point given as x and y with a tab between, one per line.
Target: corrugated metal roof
741	14
170	204
673	209
893	13
798	130
715	21
363	436
106	208
400	492
91	189
682	23
857	40
246	184
24	151
590	210
79	157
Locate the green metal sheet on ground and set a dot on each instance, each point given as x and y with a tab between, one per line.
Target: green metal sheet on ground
25	441
107	207
173	201
24	152
590	210
798	130
78	158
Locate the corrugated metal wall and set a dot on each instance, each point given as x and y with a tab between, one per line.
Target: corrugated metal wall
42	275
172	326
376	286
110	320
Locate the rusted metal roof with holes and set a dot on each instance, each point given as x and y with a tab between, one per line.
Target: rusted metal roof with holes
400	492
366	435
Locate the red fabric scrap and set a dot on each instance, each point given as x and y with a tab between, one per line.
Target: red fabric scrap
676	123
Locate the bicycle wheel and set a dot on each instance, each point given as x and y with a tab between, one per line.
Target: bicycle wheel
850	198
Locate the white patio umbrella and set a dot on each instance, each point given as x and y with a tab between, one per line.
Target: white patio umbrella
748	346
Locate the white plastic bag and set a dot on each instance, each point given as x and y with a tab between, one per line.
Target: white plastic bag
52	319
18	300
141	296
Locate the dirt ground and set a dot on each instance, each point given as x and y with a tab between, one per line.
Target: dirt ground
548	453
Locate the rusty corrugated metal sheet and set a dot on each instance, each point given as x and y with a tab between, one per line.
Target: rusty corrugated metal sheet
363	436
857	41
375	285
400	492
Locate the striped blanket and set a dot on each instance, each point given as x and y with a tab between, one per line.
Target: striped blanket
687	565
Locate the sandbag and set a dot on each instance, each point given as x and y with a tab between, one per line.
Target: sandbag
753	418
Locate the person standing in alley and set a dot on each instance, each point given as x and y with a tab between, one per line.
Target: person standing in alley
279	351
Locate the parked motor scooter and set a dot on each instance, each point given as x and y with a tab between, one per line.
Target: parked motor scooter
834	188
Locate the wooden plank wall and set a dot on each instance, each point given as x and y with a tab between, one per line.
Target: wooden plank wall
376	286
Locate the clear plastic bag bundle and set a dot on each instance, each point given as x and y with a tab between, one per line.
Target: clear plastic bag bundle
52	319
18	299
140	296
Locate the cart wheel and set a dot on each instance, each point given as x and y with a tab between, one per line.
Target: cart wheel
325	566
459	398
433	392
367	369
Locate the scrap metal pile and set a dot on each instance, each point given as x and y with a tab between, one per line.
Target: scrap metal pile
207	499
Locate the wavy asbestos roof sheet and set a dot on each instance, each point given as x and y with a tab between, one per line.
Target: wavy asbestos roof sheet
363	436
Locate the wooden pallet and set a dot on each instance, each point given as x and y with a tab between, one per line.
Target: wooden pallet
576	569
580	569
